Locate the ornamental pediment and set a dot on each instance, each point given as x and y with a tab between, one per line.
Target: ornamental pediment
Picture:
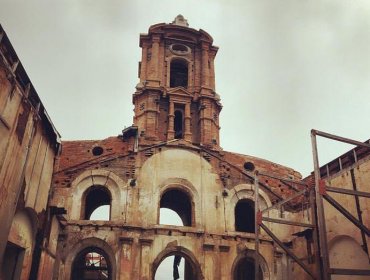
181	91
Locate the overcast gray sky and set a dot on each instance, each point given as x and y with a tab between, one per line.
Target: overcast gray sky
284	67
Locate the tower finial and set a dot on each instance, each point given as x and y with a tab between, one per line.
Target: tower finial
180	20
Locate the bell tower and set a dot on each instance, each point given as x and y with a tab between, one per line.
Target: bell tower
176	98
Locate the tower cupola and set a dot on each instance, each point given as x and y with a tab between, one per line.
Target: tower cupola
176	98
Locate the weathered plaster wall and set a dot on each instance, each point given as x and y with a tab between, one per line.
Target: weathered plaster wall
134	235
344	238
28	145
22	233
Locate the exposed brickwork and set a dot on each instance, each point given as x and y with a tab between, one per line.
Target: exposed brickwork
170	158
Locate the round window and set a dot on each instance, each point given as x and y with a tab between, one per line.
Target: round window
179	49
249	166
97	151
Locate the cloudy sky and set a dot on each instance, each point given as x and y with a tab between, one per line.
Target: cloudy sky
283	68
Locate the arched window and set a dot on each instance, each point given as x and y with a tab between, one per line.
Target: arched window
178	125
244	216
245	270
179	202
96	203
179	73
91	263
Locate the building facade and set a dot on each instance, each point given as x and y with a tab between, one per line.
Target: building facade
170	158
29	145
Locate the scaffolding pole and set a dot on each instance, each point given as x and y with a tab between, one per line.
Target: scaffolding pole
259	219
321	193
317	221
257	226
323	243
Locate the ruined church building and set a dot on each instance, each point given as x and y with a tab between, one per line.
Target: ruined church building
243	217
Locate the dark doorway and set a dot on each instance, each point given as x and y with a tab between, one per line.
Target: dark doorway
178	125
244	216
13	261
245	270
179	74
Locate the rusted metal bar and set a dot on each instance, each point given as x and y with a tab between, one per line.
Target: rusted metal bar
257	223
358	208
289	252
268	189
278	204
347	191
345	213
286	222
289	186
283	179
339	138
327	171
321	225
346	271
249	175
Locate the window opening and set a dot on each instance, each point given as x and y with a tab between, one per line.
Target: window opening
179	74
91	264
178	125
97	151
96	197
179	202
244	216
249	166
22	123
245	270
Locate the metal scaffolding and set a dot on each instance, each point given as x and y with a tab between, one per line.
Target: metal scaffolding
313	198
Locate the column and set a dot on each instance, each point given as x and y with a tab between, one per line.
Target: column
154	61
143	62
223	267
145	261
210	271
171	119
126	258
205	68
187	133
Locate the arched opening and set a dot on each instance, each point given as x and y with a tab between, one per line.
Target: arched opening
18	253
346	253
179	202
245	270
172	265
178	125
244	216
179	73
96	204
91	264
176	263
